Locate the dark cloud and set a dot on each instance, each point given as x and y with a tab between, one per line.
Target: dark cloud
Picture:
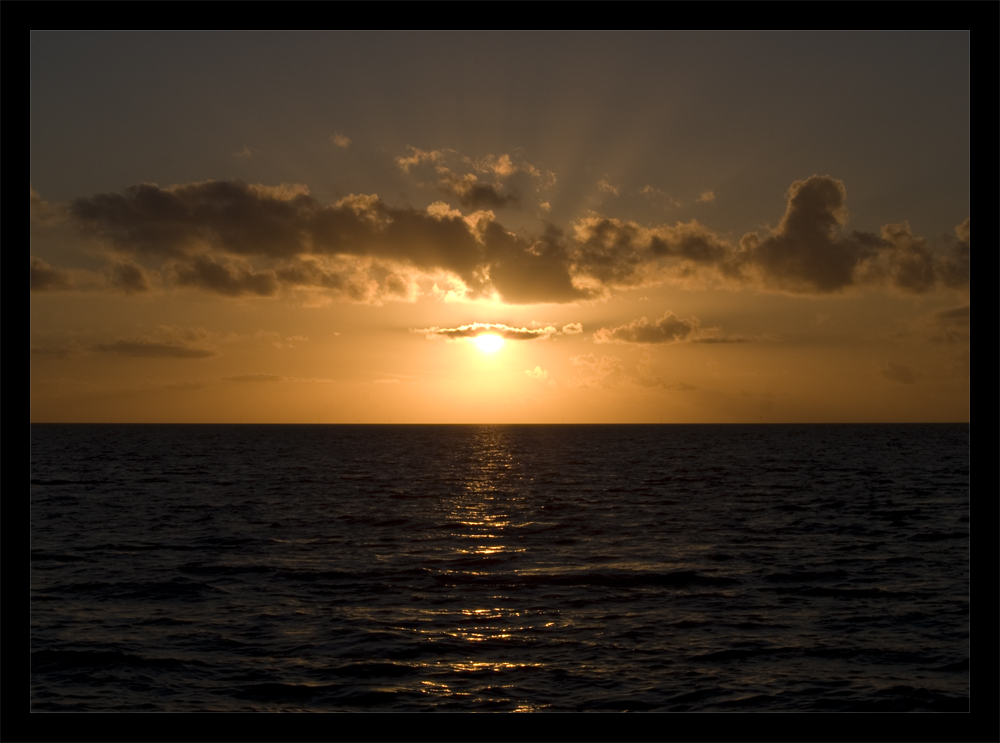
283	224
525	272
224	277
398	286
473	194
127	276
238	239
177	221
668	329
45	278
279	223
481	328
623	253
955	271
492	182
958	315
912	265
153	349
806	252
809	252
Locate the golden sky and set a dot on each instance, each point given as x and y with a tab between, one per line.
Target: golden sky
675	227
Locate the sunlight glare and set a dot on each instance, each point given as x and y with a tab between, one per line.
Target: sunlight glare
489	343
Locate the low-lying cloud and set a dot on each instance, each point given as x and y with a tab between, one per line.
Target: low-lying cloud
668	329
152	349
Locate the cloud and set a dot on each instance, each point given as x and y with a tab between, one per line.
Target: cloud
73	348
526	272
897	372
238	239
45	278
621	253
660	198
418	157
806	252
339	140
478	328
167	341
473	194
229	277
398	286
386	381
153	349
955	268
349	279
128	276
957	315
255	378
707	197
809	252
491	182
243	153
607	187
537	373
573	328
668	329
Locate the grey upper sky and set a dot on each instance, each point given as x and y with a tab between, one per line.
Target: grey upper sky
742	114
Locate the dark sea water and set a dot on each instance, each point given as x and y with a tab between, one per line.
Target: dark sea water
562	568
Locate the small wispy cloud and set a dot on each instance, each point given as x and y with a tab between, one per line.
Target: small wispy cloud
255	378
339	140
475	329
153	349
605	185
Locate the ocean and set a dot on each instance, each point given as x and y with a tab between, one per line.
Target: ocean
500	567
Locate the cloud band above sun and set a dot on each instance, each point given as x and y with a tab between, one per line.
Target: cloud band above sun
236	239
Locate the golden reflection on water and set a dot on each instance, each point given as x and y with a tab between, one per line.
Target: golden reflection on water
485	508
485	513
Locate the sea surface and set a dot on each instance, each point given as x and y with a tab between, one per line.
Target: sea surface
500	568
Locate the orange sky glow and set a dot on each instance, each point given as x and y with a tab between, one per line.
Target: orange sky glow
500	227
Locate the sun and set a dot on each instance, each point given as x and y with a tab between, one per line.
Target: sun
489	343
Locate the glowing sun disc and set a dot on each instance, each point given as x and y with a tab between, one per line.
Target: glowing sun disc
489	343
